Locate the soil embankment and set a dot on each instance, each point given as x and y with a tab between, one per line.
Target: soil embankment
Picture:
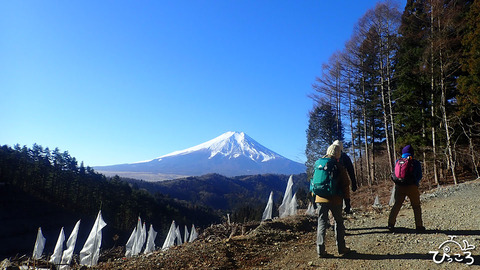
289	243
451	212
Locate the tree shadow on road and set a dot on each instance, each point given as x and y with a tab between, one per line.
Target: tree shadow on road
406	256
401	230
368	230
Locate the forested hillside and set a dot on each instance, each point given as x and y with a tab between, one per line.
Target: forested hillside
244	197
52	183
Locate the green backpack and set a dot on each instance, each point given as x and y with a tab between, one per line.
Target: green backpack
324	182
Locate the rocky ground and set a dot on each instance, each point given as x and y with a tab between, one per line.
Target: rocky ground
290	243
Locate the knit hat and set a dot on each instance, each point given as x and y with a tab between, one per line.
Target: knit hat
334	151
407	149
339	143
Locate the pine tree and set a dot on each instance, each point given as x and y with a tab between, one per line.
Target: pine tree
322	131
413	81
469	84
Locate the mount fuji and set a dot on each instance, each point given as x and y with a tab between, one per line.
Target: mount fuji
230	154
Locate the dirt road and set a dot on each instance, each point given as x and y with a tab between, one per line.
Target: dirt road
447	211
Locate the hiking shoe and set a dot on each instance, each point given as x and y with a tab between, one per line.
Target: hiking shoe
325	255
420	229
345	251
322	253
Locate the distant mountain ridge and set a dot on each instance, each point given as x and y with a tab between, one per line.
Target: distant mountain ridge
227	193
230	154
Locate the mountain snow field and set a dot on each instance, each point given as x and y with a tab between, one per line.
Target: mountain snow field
230	154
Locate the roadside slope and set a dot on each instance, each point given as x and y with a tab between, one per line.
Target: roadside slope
453	210
290	243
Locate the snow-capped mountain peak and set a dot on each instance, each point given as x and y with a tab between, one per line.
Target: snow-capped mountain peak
230	154
231	145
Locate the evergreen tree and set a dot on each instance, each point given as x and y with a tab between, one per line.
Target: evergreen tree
413	83
322	131
84	191
469	85
469	82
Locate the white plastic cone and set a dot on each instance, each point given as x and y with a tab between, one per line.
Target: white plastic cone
178	236
150	246
138	235
170	240
392	197
292	207
186	234
68	253
91	250
310	210
130	243
267	213
143	238
377	203
193	234
57	252
287	197
39	245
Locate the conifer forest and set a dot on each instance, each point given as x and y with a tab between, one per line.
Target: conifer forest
408	77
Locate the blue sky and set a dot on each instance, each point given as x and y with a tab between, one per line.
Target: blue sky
123	81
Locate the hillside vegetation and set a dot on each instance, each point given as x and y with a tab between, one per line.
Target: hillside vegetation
244	197
48	189
43	188
289	243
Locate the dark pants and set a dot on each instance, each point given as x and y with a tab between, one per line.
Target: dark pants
322	226
414	195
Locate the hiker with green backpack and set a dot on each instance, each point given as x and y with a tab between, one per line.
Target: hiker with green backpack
330	183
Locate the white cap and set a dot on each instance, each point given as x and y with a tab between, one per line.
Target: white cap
339	143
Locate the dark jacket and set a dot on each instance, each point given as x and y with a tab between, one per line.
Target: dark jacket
417	171
417	168
347	163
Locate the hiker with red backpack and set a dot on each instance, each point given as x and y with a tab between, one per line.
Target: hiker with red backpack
407	176
329	183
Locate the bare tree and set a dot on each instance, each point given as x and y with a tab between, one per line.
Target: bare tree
374	45
446	52
385	20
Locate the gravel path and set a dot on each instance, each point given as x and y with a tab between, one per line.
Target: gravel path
446	211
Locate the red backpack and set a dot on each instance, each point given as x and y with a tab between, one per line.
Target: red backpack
403	174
